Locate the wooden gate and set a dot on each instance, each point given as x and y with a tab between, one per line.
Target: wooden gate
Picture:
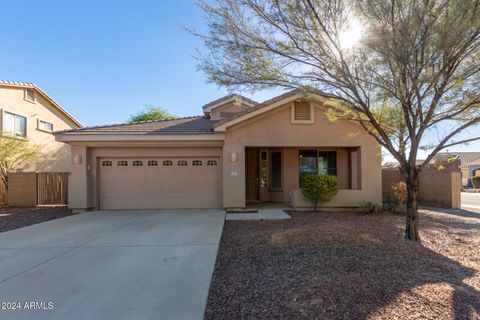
52	188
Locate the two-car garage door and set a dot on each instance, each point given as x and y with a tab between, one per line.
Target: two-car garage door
154	183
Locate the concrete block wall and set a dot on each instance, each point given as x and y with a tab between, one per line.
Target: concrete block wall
438	187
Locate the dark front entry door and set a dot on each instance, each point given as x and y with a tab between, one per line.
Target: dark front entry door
252	178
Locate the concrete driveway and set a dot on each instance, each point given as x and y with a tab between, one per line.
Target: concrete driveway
111	265
471	200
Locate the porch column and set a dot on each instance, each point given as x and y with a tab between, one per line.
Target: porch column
233	176
355	169
79	179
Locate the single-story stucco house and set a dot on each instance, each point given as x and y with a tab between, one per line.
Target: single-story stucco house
469	164
239	152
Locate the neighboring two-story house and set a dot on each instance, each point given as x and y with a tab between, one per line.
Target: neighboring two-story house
26	111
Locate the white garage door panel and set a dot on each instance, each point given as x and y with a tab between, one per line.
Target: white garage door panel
155	187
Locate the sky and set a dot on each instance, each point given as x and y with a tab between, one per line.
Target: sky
106	60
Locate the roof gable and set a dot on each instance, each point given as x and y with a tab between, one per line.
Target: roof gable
266	106
219	103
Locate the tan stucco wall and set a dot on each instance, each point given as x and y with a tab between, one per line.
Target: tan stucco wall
275	129
83	187
55	156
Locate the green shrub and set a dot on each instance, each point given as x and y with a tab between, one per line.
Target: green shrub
369	207
476	182
319	189
389	206
400	192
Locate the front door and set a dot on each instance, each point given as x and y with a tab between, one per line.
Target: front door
252	178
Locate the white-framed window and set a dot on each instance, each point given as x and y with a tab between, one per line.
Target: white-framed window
30	95
197	163
137	163
167	163
182	163
152	163
122	163
211	163
302	112
107	163
45	126
14	124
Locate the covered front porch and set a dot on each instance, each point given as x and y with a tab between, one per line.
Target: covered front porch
273	175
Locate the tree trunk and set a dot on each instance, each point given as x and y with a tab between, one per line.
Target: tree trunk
315	205
411	227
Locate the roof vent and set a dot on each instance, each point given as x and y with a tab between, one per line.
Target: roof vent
302	111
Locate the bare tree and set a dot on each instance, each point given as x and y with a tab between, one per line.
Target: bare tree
414	69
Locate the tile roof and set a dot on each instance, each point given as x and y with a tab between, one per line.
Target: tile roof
188	125
395	164
230	96
464	157
19	84
474	163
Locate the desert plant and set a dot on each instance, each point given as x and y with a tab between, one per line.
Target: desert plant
369	207
319	189
476	182
400	192
14	153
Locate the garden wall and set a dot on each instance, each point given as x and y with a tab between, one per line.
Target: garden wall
438	187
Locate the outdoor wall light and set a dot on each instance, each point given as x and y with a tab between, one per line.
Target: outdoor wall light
77	159
234	157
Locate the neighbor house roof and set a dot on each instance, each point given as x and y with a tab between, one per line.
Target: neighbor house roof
465	157
474	163
188	125
18	84
395	164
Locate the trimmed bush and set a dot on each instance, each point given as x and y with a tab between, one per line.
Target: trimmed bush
369	207
319	189
476	182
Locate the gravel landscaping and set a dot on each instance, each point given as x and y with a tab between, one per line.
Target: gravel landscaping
332	265
13	218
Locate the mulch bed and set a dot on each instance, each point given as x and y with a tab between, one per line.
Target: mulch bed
332	265
13	218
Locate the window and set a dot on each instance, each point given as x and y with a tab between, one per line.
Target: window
211	163
122	163
107	163
182	163
317	162
30	95
167	163
14	124
276	169
197	163
263	169
137	163
327	163
45	126
308	163
302	112
152	163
